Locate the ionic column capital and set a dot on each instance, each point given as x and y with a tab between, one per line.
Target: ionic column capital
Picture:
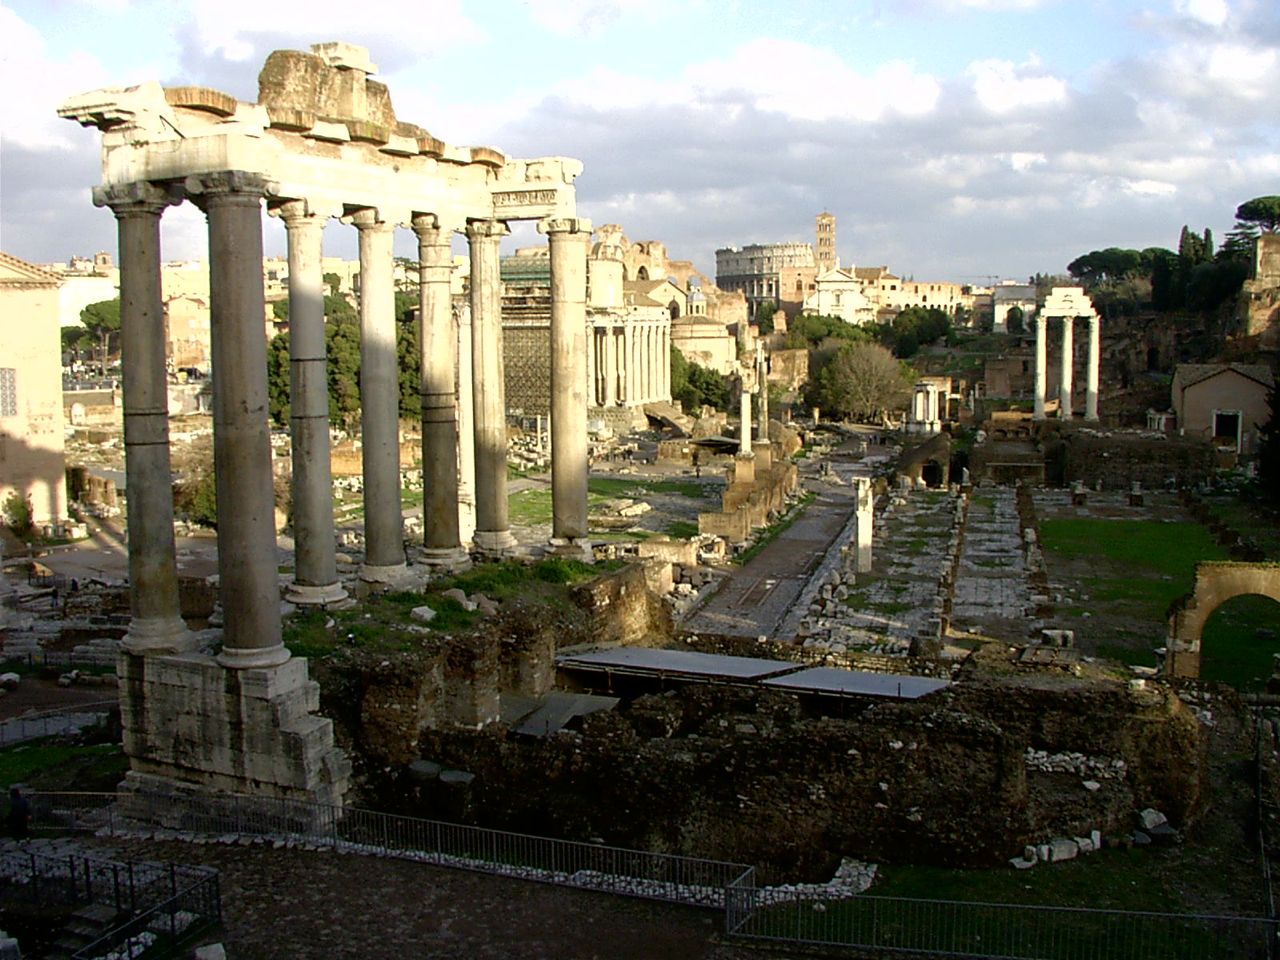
134	199
554	225
486	230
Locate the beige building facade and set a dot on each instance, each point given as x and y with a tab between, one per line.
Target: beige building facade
32	464
1225	403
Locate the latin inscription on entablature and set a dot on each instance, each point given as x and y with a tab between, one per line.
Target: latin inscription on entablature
523	198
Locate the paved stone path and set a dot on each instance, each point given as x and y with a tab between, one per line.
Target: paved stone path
991	589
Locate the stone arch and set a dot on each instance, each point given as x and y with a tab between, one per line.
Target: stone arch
642	273
673	308
1216	583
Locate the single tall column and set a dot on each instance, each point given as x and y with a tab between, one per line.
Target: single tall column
744	414
155	623
621	342
1091	390
247	567
569	240
466	429
315	577
589	332
437	357
493	534
379	401
762	384
1041	361
1068	369
666	365
609	364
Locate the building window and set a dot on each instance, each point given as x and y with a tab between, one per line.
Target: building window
8	392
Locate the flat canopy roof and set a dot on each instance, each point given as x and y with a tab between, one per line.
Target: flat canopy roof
639	660
831	681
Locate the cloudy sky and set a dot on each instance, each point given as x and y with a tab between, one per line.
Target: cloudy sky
952	139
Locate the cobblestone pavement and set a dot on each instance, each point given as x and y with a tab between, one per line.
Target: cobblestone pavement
293	904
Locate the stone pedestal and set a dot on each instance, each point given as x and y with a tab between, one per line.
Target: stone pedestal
191	724
744	468
763	453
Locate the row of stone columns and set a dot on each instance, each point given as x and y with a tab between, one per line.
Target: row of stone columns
232	203
629	362
1067	380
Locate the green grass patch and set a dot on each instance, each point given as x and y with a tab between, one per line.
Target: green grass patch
637	489
530	507
682	529
1238	641
891	608
53	764
1133	656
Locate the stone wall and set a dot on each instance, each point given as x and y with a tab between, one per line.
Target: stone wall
1118	459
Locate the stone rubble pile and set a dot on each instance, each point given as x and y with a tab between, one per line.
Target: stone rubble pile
1096	768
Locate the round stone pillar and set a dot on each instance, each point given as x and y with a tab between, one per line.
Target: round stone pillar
1068	369
379	401
493	534
1095	351
247	566
466	429
155	624
1041	362
439	354
569	240
744	414
315	576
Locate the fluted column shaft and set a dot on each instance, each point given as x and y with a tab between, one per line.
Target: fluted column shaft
1068	369
155	613
315	579
493	533
1041	362
569	241
1095	351
247	567
439	353
379	400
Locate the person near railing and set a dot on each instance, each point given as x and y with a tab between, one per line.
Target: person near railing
19	816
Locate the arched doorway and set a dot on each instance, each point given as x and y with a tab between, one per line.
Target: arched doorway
1216	584
1239	640
932	474
642	273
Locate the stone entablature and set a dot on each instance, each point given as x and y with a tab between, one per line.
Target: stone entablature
323	132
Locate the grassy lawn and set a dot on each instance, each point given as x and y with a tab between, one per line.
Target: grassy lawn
1248	519
612	487
530	507
54	764
1238	641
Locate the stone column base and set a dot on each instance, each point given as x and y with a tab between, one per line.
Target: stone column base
310	595
494	544
388	573
576	548
169	635
192	724
446	559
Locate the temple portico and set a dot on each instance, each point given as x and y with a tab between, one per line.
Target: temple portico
310	152
1067	304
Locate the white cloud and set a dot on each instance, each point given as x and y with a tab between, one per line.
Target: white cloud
233	28
813	83
1002	86
1213	13
1241	67
1148	188
1022	162
587	17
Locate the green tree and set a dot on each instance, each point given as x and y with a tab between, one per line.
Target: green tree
278	378
197	499
408	355
76	339
863	382
764	316
342	350
337	309
333	282
280	309
102	320
1015	320
18	513
679	375
1260	212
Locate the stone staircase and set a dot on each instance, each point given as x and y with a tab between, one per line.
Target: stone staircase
87	924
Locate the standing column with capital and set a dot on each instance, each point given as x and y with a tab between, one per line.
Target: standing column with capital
155	624
247	568
568	240
466	428
1095	351
744	414
493	533
589	338
379	401
439	352
1068	369
621	344
315	578
1041	362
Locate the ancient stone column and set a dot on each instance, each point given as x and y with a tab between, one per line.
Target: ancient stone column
438	355
247	567
493	535
315	577
466	429
590	334
744	414
609	364
155	624
1091	390
379	401
762	384
1041	363
622	341
864	517
1068	369
569	240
